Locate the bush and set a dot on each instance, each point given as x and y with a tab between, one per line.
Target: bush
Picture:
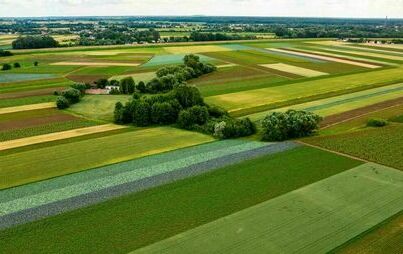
216	112
196	115
62	102
6	67
72	95
17	65
5	53
377	122
234	128
36	63
279	126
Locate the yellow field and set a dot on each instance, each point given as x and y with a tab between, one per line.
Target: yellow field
94	64
226	65
144	76
326	58
294	70
195	49
27	107
58	136
393	46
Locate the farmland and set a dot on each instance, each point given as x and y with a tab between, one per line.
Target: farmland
114	173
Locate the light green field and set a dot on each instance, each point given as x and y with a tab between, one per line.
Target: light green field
195	49
342	103
312	219
98	107
361	53
304	90
143	76
43	163
295	70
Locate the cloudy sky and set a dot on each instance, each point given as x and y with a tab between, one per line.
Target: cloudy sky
305	8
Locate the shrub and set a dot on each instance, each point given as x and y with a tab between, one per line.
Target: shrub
377	122
279	126
114	91
62	102
17	65
196	115
72	95
6	67
234	128
36	63
5	53
216	112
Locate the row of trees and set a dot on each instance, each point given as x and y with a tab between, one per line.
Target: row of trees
34	42
203	36
118	35
8	66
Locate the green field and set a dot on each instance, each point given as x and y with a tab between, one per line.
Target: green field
5	103
143	218
62	159
260	99
98	107
381	145
313	219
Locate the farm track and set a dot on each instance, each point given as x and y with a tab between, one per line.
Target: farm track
57	136
356	113
56	205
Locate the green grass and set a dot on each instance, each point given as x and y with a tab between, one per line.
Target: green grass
48	162
98	107
44	129
33	85
386	237
5	103
110	70
382	145
124	224
313	219
257	100
16	77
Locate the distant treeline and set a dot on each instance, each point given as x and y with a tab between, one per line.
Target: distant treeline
200	36
118	35
34	42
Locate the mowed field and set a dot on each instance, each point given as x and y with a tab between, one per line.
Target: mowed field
122	189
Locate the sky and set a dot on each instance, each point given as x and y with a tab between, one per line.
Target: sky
297	8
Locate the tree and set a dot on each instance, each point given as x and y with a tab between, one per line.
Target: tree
142	114
102	83
118	112
188	96
4	53
72	95
62	102
17	65
196	115
279	126
141	87
6	67
34	42
127	85
36	63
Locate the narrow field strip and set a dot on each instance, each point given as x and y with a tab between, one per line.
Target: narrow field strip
196	49
33	207
355	46
326	58
58	136
27	107
61	159
294	70
361	53
95	64
226	65
312	219
324	52
338	104
19	77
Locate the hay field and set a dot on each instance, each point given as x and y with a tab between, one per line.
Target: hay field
27	107
312	219
95	64
294	70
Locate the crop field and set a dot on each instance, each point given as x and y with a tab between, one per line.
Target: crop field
283	223
342	103
173	208
383	145
98	152
120	188
318	88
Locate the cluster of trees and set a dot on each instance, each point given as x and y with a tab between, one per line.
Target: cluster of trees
279	126
183	106
7	66
203	36
124	86
70	96
118	35
5	53
34	42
